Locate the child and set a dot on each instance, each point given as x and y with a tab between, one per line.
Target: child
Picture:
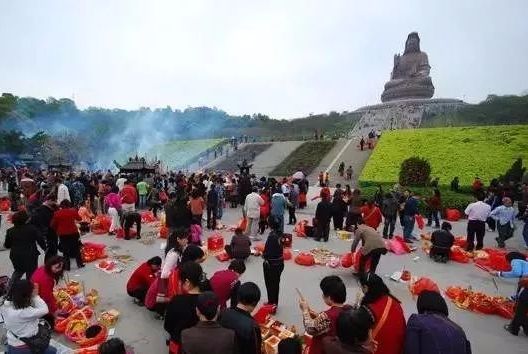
86	215
240	246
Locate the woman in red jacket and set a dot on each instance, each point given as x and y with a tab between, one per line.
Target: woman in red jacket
371	215
387	313
142	278
64	223
46	277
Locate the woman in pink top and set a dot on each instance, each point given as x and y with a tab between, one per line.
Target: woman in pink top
113	202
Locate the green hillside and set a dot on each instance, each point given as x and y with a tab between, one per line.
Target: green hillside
495	110
464	152
181	152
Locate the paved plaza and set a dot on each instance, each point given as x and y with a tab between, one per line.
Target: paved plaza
138	327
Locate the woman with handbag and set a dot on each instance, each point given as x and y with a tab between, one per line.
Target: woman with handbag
22	313
389	326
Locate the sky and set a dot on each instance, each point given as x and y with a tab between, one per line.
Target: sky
286	59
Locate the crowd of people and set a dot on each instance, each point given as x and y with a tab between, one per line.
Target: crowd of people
53	209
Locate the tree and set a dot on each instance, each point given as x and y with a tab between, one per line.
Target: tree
415	171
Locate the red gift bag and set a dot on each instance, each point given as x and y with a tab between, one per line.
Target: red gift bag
452	214
215	243
347	260
286	254
423	284
420	221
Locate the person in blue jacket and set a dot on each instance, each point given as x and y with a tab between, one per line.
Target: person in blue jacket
519	266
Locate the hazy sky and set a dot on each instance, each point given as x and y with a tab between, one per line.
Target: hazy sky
283	58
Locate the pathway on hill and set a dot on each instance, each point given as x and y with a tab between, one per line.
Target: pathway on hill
348	152
272	157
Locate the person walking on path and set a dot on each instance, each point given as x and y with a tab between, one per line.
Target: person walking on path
279	203
477	214
434	205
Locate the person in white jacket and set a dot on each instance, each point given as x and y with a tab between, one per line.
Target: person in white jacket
22	314
252	209
62	193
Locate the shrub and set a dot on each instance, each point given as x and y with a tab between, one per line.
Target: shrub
515	172
415	171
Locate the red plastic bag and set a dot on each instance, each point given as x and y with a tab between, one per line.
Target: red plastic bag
420	221
215	243
173	284
147	217
91	252
286	254
461	242
496	260
263	313
164	232
505	309
423	284
305	259
223	257
242	224
101	224
357	257
398	246
452	214
457	254
347	260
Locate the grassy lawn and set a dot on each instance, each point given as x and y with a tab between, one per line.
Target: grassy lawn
465	152
179	152
306	158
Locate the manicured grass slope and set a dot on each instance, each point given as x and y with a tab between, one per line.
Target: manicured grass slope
306	158
465	152
180	152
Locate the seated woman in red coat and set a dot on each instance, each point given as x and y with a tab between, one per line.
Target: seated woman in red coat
46	277
142	278
389	322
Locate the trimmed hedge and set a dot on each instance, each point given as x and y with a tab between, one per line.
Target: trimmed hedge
450	199
305	158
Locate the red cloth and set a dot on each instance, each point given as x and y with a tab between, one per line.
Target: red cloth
317	342
128	194
45	283
391	336
143	277
265	208
222	283
63	221
371	216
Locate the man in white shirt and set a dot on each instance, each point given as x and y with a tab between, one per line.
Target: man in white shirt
120	183
252	208
477	214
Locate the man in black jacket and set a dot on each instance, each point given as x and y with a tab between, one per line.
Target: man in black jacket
212	207
323	214
239	319
41	219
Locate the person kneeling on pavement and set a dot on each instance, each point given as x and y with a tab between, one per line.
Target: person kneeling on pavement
373	246
442	240
240	246
142	278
